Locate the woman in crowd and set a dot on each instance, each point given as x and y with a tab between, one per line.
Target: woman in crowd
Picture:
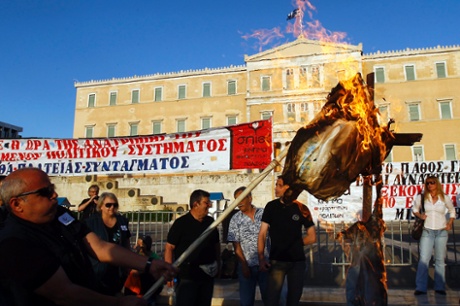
110	226
435	234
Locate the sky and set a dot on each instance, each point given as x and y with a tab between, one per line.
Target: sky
48	45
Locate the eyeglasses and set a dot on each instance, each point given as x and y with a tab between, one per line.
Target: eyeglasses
108	205
46	192
431	183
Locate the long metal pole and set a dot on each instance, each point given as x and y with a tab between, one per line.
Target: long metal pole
225	213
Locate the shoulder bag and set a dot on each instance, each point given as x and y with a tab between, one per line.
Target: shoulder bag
417	228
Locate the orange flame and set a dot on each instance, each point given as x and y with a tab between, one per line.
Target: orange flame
312	29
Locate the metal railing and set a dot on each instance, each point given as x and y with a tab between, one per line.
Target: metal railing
399	247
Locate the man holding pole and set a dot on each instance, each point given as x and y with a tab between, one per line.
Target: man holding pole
287	256
195	282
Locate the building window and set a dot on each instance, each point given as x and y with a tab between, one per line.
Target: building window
135	96
417	153
445	109
205	123
303	78
206	89
181	92
449	150
89	131
113	98
266	115
379	75
133	129
156	127
91	100
231	87
158	95
180	125
316	107
410	72
232	120
315	76
441	71
304	112
289	79
265	83
110	130
384	114
290	112
414	112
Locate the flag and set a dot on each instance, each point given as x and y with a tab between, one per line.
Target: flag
292	14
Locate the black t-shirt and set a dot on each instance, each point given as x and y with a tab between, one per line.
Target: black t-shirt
182	234
285	231
89	210
30	254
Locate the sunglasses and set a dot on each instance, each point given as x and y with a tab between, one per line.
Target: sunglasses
430	183
108	205
46	192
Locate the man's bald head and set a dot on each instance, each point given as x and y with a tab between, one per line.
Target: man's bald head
29	194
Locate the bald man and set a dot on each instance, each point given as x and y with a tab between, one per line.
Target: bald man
44	251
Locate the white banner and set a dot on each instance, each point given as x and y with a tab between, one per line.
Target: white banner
401	183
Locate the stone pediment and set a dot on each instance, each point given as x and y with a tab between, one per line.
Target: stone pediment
302	47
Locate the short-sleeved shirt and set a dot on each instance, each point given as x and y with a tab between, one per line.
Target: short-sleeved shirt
89	210
30	254
245	231
184	231
286	222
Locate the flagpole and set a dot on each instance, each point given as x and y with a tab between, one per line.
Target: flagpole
275	162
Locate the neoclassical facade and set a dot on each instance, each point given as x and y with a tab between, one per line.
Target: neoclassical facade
418	88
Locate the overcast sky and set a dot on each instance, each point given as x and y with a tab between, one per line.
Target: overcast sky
47	45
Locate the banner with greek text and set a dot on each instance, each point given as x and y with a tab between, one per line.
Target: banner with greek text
241	146
401	183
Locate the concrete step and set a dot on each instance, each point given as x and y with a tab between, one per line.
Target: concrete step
226	294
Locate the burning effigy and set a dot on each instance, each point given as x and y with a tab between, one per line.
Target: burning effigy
342	142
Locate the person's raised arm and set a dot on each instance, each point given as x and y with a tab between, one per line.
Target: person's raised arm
83	205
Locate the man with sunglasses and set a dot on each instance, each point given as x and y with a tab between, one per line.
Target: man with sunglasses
44	251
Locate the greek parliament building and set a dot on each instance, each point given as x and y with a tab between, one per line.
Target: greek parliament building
418	88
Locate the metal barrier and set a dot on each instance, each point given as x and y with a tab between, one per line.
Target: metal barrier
399	247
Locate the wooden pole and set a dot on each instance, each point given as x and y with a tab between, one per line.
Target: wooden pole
225	213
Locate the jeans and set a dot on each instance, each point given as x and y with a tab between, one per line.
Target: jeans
294	272
248	285
194	292
438	240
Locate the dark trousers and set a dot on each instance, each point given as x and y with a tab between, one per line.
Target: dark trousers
194	292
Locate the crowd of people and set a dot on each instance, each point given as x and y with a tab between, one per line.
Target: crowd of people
49	257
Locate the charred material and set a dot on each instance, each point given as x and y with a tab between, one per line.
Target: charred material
362	242
343	141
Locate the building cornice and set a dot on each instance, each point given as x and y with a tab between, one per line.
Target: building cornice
410	52
165	75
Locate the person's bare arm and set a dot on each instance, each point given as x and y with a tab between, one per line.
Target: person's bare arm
169	257
263	264
59	289
119	256
82	206
310	237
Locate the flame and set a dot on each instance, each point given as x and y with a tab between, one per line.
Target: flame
311	29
